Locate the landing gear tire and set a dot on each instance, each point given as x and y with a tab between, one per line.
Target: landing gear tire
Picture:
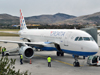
83	57
76	64
36	49
62	54
7	54
58	53
40	49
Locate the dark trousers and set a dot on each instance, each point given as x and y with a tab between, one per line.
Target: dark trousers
21	61
49	64
2	53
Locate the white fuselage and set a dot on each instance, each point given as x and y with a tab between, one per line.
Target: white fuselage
83	46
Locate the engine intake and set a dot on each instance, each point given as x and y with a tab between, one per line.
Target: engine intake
26	51
29	52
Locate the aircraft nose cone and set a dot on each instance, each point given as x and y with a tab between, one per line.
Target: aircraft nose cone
95	47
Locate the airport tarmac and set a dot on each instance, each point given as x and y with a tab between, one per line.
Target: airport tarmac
60	65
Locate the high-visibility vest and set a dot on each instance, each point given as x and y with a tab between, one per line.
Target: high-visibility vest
3	50
49	59
21	56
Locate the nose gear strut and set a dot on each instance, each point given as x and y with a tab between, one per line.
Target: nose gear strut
76	63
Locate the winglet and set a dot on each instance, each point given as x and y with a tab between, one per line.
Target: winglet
22	21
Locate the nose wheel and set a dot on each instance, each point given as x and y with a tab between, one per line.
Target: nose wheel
76	63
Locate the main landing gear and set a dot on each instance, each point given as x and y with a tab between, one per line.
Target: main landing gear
60	53
76	63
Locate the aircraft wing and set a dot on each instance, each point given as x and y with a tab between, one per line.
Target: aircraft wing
11	32
21	43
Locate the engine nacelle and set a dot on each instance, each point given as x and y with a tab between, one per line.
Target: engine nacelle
26	51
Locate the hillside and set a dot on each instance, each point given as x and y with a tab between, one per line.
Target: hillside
57	19
48	19
8	19
87	19
42	19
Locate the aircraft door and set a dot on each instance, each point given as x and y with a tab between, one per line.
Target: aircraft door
66	39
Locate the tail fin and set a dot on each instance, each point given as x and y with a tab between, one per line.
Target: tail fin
22	21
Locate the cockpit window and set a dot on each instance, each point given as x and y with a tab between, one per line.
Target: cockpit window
76	38
80	39
91	38
86	38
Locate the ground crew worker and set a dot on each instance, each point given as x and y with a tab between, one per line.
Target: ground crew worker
0	49
3	50
21	59
49	61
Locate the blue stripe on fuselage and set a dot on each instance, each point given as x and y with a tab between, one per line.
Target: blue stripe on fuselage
80	53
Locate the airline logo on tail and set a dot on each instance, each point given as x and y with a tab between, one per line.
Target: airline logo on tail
22	21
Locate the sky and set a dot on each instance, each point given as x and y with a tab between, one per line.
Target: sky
49	7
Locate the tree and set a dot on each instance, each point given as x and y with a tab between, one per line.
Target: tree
7	67
0	49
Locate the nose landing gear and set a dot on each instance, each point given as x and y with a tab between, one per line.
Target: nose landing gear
76	63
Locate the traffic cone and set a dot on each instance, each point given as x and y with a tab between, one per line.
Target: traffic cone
30	61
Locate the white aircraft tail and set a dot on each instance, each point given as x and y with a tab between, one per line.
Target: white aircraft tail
22	21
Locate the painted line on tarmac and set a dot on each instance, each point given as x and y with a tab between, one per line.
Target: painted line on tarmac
63	62
57	60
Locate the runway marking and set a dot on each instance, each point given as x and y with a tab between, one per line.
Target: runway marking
57	60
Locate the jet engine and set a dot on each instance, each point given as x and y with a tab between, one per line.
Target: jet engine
26	51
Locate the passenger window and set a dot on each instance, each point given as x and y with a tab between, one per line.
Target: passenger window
76	38
80	38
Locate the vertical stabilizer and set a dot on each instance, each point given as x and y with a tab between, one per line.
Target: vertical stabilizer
22	21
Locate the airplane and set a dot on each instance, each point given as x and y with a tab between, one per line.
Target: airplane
72	41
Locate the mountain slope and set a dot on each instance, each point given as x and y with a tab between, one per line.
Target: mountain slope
8	19
87	19
47	19
57	19
42	19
